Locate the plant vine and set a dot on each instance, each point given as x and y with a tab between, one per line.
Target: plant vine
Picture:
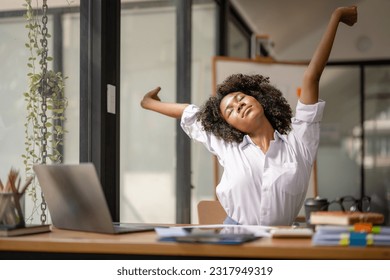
53	100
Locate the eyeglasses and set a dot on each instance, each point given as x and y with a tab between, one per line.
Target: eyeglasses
349	203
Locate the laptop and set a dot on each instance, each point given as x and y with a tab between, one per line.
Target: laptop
76	201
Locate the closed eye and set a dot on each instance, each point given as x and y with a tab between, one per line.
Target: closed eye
229	107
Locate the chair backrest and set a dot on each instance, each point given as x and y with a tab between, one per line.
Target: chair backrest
210	212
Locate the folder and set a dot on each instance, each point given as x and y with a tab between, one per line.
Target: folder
351	236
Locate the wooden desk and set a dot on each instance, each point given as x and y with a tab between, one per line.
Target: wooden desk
77	245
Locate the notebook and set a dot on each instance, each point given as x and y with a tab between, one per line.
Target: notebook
76	201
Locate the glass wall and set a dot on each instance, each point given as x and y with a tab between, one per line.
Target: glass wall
345	164
13	83
377	138
337	161
148	59
147	159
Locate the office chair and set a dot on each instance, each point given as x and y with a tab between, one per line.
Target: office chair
210	212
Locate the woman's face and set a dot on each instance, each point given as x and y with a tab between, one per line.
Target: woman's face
241	111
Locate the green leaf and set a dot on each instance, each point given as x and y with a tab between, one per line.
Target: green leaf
58	128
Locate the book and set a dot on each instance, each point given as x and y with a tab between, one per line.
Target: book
351	236
334	229
360	234
351	239
344	218
291	232
28	229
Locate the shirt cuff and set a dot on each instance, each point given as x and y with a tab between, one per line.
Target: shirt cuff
310	112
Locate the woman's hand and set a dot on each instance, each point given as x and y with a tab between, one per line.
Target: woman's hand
150	97
152	102
348	15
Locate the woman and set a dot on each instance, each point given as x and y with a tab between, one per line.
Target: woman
267	156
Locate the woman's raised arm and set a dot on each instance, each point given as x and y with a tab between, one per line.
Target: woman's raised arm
311	79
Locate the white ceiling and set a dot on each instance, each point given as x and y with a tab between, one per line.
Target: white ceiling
285	20
299	23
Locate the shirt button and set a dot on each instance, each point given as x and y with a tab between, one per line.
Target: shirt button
265	189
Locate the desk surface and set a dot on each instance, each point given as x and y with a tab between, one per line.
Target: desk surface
146	244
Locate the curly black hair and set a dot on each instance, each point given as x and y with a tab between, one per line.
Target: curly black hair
276	108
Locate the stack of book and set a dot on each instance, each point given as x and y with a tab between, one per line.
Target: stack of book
360	234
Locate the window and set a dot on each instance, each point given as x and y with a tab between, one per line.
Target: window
63	25
148	150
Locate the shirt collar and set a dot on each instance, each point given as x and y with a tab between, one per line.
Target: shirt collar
277	136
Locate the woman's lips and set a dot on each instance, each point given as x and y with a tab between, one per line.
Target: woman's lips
246	111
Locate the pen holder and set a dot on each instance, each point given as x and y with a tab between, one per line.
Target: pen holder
11	215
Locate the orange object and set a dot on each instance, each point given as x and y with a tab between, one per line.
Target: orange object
299	90
362	227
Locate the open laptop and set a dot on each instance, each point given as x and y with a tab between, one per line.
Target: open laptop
76	201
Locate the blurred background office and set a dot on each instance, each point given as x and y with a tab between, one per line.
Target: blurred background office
354	154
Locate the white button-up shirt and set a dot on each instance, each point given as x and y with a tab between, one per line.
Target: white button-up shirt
264	189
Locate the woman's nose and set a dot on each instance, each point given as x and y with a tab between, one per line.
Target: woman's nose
240	105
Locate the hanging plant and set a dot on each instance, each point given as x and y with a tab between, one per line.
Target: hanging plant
45	104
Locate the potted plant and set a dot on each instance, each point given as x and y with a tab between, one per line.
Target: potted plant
45	105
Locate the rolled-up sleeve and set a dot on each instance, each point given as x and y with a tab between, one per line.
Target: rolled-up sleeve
194	129
310	113
306	125
190	125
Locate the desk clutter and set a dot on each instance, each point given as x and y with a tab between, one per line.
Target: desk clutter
353	225
349	211
11	216
359	234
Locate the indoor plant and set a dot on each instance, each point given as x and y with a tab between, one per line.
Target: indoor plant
45	104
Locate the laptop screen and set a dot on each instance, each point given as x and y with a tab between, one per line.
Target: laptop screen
75	197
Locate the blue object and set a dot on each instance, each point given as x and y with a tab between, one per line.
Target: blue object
358	239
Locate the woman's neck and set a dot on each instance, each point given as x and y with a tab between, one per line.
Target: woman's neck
262	137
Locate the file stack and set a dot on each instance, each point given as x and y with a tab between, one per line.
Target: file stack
356	235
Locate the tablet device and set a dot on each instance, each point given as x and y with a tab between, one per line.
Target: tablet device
220	235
